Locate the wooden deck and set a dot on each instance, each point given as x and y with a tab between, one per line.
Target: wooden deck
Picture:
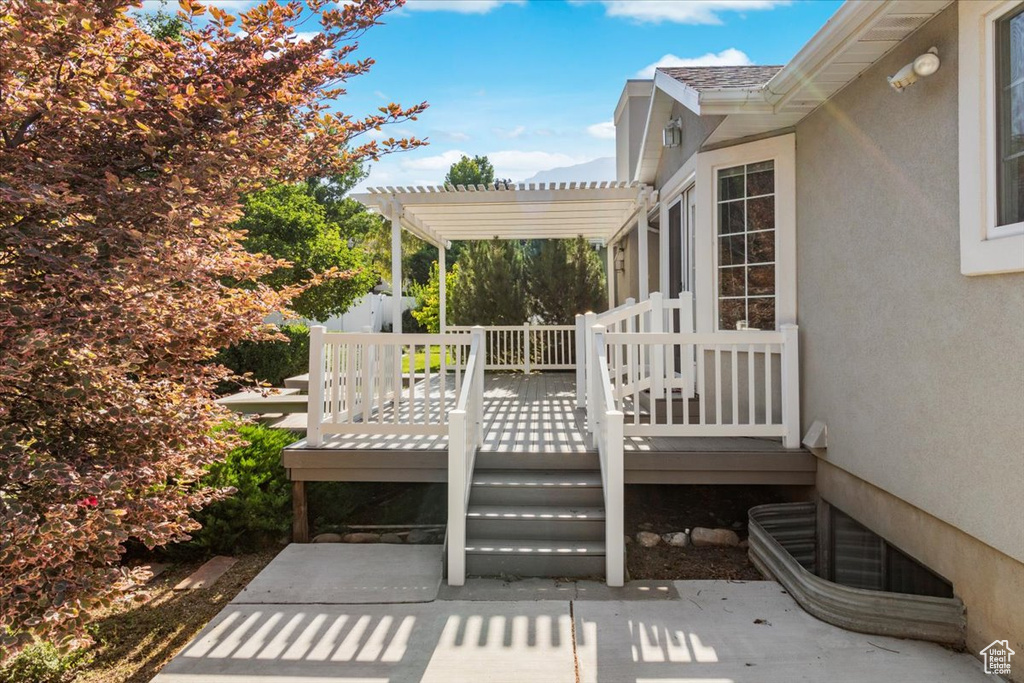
532	421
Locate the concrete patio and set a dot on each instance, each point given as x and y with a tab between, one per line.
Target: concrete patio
335	613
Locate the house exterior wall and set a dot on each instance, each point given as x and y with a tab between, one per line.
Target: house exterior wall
627	283
917	370
696	129
630	123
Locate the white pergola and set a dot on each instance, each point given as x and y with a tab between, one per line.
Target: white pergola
443	214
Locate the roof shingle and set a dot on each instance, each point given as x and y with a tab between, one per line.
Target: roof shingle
702	78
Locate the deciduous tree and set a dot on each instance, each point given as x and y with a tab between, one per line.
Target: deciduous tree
123	158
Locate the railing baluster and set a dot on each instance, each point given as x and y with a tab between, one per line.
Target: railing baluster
701	394
768	418
718	385
735	386
750	385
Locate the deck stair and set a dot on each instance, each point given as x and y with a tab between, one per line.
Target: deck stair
536	521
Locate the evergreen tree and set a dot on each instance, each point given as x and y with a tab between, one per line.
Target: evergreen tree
491	286
566	277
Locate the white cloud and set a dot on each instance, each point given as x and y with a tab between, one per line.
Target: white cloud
517	164
510	133
459	6
380	94
514	164
728	57
604	130
437	162
689	12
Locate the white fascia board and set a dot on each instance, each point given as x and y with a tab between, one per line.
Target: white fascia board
726	101
679	91
852	18
634	87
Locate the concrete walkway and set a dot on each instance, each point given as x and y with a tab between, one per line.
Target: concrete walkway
348	619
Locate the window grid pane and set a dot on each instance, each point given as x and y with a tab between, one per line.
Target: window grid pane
1010	117
746	246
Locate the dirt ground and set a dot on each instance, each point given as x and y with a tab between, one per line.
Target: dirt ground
137	636
665	509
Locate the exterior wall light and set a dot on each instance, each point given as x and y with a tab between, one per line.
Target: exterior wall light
620	260
672	136
925	65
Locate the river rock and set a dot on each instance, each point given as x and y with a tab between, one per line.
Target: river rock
648	539
744	544
391	538
362	537
327	538
703	537
420	537
628	540
679	539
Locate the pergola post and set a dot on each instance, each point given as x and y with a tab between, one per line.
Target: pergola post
609	257
396	268
643	257
442	287
663	255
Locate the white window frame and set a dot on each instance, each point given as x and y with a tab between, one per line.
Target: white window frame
985	248
782	151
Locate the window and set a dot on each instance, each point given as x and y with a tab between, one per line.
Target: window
746	246
1009	35
744	240
991	122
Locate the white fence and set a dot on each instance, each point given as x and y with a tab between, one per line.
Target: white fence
747	383
465	436
368	383
608	435
528	347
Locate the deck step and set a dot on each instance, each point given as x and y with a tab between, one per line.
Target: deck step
254	402
521	557
578	488
536	522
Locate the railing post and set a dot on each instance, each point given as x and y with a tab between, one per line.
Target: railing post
687	357
315	404
581	362
480	339
457	498
790	386
659	364
526	347
614	500
590	320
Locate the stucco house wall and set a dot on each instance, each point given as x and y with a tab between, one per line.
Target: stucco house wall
917	370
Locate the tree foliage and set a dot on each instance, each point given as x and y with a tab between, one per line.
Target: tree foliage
123	158
491	285
428	297
289	223
566	277
467	171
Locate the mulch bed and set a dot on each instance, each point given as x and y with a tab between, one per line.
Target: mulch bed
665	509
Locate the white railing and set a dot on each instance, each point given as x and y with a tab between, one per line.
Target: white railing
665	370
608	436
747	383
528	347
465	436
368	383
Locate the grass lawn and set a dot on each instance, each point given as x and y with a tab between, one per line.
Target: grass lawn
421	361
137	636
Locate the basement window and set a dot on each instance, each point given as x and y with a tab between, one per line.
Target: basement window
860	558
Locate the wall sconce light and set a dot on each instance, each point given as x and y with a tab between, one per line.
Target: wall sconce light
925	65
620	260
672	136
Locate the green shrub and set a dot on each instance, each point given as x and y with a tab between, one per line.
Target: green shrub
42	663
259	512
271	362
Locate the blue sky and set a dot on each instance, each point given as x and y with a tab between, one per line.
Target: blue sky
533	84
